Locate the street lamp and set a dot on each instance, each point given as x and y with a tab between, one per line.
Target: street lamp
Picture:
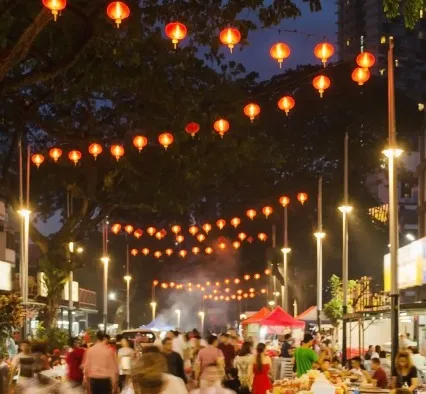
127	279
112	296
153	306
202	315
105	261
286	250
178	318
271	303
410	237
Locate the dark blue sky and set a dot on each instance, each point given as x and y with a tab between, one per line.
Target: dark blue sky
255	56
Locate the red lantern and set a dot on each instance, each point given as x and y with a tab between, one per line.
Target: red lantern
176	229
360	75
201	237
74	156
140	142
209	250
55	154
222	245
95	150
183	253
116	228
236	244
302	197
158	254
256	276
37	159
251	110
134	252
279	52
267	211
262	236
158	235
235	222
192	128
221	224
236	281
321	83
267	271
55	6
284	201
286	104
128	229
230	37
145	251
180	239
169	252
324	51
207	227
195	250
221	126
251	213
138	233
118	11
250	240
365	60
117	151
242	236
165	139
151	231
176	31
193	230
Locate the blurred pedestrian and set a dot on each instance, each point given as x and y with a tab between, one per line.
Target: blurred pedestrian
174	360
74	361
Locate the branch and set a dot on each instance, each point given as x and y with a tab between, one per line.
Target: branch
20	50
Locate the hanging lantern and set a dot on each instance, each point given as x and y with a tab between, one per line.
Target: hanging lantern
128	229
252	295
37	159
158	235
193	230
230	37
217	284
209	250
95	150
235	222
221	126
176	229
176	31
324	51
192	128
221	224
140	142
117	151
242	236
365	60
239	298
360	75
246	277
207	227
263	291
158	254
286	104
302	197
284	201
239	291
172	284
55	6
250	240
195	250
251	290
256	276
279	52
321	83
118	11
227	281
74	156
201	237
138	233
180	238
236	281
169	252
134	252
267	271
251	213
116	228
245	295
236	244
165	139
55	154
262	236
267	211
145	251
222	245
227	290
251	110
233	297
151	231
183	253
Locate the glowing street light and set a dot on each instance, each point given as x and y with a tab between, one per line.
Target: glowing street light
153	306
202	315
105	261
127	278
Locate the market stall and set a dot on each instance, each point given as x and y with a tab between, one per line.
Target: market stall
251	325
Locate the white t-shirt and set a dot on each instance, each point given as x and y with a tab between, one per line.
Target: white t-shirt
172	385
125	356
375	355
419	361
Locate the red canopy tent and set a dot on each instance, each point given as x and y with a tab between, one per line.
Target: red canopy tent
280	318
257	317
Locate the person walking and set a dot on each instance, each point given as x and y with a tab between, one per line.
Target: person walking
286	347
261	367
125	355
74	360
244	364
228	351
18	365
100	367
208	356
174	360
304	356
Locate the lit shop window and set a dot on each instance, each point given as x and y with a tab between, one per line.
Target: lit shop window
421	13
383	40
348	43
396	63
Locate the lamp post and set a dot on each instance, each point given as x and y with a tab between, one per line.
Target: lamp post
284	201
127	279
202	315
105	261
178	318
153	306
72	249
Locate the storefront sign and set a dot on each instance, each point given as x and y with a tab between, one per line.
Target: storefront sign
5	276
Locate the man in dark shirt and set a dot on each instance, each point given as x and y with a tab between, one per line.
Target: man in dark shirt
228	351
174	360
379	375
286	346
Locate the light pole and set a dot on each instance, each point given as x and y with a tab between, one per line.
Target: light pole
284	201
202	315
319	235
178	318
153	306
105	261
72	249
127	279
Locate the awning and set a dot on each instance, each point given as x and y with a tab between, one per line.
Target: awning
280	318
257	317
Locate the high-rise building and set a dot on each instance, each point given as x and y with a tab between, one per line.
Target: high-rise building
362	25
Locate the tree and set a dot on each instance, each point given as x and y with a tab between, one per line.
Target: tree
410	9
12	314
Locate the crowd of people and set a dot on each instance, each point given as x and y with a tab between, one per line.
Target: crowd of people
187	363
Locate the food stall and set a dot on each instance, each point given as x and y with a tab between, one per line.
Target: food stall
251	325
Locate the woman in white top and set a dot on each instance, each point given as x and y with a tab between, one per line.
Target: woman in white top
244	363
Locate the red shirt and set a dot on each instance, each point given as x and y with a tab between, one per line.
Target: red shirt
382	379
74	361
